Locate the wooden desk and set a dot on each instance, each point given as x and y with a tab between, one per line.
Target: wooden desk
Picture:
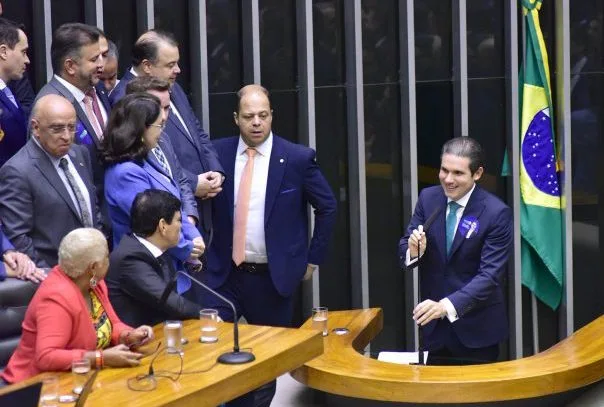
574	362
277	351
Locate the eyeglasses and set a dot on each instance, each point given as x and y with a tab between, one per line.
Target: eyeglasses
159	126
57	129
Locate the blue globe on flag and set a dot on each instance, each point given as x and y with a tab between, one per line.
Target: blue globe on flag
538	154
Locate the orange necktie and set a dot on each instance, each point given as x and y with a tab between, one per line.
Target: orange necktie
242	207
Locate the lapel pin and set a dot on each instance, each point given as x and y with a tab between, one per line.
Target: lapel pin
282	161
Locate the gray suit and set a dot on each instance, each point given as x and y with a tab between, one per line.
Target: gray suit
85	136
35	207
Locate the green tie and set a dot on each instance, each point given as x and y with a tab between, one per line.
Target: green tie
451	221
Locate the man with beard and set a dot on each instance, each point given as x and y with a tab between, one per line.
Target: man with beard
77	62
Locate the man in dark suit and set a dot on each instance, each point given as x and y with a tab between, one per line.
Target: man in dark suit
46	189
261	251
77	62
465	246
140	269
156	54
13	63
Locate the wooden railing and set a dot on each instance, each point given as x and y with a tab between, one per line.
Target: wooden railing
575	362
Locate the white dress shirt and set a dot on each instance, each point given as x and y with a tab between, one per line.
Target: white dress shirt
463	202
79	97
255	245
155	251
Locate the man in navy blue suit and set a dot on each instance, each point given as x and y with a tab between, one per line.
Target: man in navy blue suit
13	63
463	237
156	53
260	255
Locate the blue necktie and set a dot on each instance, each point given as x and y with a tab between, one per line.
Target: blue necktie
10	95
451	222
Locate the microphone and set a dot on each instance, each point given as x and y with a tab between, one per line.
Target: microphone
236	357
431	219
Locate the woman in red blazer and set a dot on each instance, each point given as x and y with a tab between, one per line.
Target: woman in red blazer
70	316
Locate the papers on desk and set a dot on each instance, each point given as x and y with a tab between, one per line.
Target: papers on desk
402	358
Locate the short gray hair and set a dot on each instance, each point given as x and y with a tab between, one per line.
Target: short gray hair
465	147
80	248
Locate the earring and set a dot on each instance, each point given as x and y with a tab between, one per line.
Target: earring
93	282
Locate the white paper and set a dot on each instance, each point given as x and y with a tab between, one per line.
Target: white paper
402	358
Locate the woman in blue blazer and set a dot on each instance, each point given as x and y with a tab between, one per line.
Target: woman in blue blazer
134	129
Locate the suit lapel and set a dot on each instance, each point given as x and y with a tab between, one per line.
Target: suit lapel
81	115
179	105
80	167
7	103
474	208
48	171
229	168
153	161
167	182
276	170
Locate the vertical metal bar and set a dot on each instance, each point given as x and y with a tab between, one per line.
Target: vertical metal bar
250	41
356	154
306	116
42	39
460	69
563	129
145	15
408	146
199	61
513	142
93	12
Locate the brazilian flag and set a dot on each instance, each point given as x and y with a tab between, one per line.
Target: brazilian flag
540	189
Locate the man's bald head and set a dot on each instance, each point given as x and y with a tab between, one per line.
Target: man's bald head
53	124
254	115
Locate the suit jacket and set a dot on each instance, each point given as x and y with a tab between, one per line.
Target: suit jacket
13	124
294	181
124	181
5	245
35	207
195	151
85	136
57	328
469	276
24	93
136	282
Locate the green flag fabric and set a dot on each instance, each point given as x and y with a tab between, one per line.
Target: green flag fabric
541	203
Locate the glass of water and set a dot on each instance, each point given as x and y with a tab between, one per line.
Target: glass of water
209	325
50	391
173	336
80	370
319	319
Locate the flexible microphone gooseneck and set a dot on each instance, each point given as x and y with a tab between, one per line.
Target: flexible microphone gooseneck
236	357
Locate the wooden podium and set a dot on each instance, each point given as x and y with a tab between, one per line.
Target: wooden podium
277	351
573	363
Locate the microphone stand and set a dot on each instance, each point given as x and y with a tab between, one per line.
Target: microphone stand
420	339
236	357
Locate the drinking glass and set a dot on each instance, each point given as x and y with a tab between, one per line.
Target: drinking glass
173	336
209	325
80	370
50	391
319	319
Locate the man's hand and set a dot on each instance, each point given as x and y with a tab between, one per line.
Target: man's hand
20	265
310	269
418	235
198	248
208	185
428	310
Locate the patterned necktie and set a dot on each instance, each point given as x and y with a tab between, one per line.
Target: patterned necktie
163	161
93	112
10	96
241	208
451	222
84	212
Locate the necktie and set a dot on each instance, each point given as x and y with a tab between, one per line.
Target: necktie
84	212
10	96
163	161
451	222
93	112
241	208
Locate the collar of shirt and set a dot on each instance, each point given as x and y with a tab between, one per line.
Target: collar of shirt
263	149
132	71
54	160
155	251
2	85
77	93
463	201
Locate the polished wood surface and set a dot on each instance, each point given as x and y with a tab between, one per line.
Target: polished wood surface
574	362
277	351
